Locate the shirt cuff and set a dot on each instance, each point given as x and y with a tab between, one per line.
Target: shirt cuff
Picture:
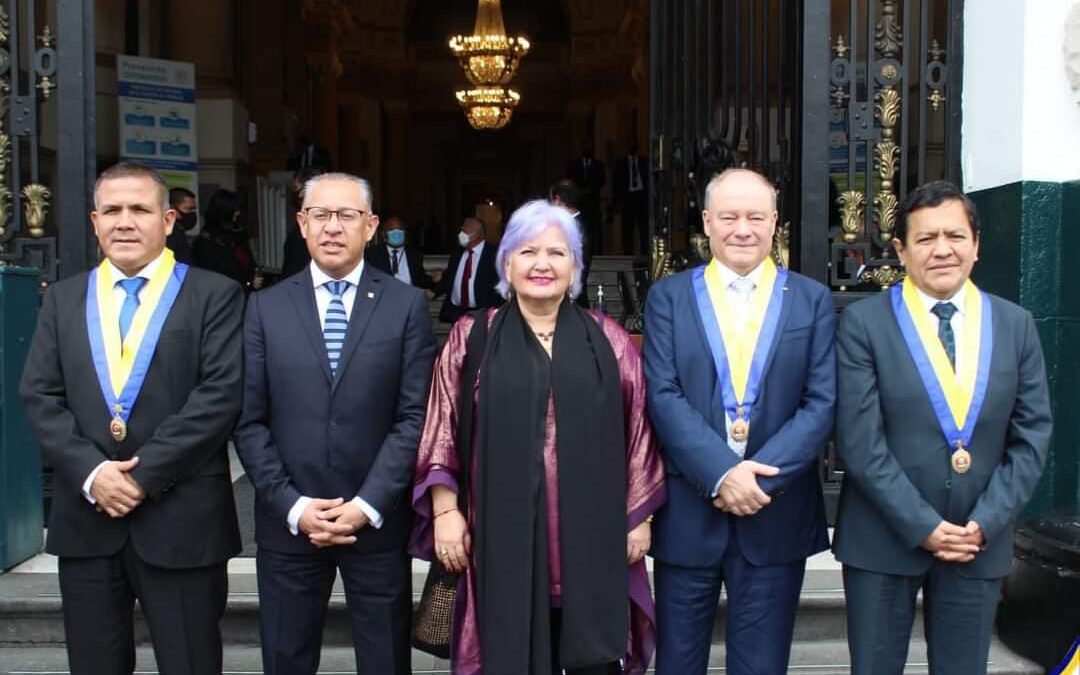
89	482
295	512
373	516
716	490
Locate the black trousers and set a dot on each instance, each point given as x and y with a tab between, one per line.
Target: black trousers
182	607
614	668
293	593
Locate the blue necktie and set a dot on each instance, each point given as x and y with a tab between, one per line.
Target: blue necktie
944	312
131	303
335	323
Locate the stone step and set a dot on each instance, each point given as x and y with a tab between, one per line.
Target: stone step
818	657
30	610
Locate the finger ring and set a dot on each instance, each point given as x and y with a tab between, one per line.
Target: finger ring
444	553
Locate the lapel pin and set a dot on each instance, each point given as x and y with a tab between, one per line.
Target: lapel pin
370	294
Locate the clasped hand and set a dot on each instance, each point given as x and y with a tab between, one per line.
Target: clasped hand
739	492
331	522
114	491
955	543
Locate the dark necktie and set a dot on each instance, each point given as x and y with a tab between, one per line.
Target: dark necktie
335	323
131	303
944	312
396	262
635	182
466	276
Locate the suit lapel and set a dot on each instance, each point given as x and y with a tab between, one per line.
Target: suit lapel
368	294
716	396
303	296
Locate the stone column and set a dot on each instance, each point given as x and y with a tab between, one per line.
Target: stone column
1019	115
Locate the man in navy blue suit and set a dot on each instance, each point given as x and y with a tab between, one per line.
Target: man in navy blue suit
337	367
741	397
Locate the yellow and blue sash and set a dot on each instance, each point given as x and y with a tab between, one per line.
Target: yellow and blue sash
121	366
739	357
956	396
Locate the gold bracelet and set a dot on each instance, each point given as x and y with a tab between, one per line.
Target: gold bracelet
443	513
648	519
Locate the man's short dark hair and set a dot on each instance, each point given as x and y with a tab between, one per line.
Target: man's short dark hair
130	169
930	195
568	193
179	194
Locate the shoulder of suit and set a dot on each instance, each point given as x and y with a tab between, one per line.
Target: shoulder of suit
199	278
1006	308
810	286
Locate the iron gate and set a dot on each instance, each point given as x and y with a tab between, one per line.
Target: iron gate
37	64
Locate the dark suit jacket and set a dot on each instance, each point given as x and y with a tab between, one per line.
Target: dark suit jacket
592	180
178	428
898	482
379	257
303	433
790	423
620	178
486	280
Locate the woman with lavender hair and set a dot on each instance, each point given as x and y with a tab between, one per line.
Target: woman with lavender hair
564	473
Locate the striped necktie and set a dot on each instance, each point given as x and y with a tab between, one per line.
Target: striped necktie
131	302
335	323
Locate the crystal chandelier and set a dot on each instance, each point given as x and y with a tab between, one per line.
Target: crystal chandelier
489	59
488	107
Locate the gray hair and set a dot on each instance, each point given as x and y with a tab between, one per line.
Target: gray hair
525	224
364	186
727	173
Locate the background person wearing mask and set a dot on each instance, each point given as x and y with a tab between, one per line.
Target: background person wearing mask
182	200
404	263
470	278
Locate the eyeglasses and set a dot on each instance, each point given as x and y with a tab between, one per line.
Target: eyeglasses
323	215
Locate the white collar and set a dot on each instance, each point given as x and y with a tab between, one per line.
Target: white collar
957	299
728	275
476	249
146	272
319	277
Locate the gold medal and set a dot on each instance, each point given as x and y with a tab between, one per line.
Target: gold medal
740	428
961	459
118	429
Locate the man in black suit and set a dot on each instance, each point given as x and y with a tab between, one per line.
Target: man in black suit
338	362
569	196
943	422
631	186
590	175
469	279
143	506
404	263
182	200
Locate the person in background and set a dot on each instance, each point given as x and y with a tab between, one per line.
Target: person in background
223	246
470	278
569	196
182	200
404	263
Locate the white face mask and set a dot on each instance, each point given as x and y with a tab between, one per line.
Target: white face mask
463	239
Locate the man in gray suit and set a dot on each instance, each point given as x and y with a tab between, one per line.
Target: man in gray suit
943	423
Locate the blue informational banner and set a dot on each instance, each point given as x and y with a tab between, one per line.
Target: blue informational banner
157	117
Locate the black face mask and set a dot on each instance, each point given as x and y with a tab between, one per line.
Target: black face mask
187	220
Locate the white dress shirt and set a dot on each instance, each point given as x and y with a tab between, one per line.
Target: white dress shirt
119	295
740	304
957	321
455	291
323	296
403	263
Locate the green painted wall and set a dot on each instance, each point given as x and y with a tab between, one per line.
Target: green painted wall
1030	237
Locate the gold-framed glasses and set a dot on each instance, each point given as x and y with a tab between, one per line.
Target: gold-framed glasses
322	215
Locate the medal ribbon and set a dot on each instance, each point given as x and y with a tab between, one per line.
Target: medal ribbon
739	357
957	397
121	367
